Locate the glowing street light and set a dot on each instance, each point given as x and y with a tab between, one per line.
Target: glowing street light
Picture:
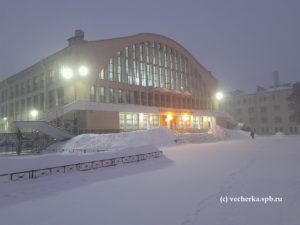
83	71
219	96
67	73
5	118
34	113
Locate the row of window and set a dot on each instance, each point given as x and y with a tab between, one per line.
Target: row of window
257	99
263	109
267	130
276	119
152	65
111	95
30	85
133	121
13	109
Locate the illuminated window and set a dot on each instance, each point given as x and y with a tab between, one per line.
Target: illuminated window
149	75
101	74
119	68
143	73
111	69
122	120
155	76
136	79
128	76
162	78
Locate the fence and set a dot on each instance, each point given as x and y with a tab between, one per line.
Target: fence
84	166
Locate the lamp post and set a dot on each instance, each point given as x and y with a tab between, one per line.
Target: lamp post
34	114
68	74
219	98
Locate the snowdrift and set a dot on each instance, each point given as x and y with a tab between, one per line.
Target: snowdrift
89	142
215	134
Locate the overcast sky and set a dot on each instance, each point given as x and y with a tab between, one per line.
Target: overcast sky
241	41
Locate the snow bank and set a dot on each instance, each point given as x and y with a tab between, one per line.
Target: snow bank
213	135
224	134
279	134
156	137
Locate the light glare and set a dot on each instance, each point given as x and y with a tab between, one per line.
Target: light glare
219	96
67	72
34	113
83	71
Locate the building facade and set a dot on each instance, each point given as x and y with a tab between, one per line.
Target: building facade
267	111
127	83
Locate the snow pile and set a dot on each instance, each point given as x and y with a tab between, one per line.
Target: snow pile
279	134
215	134
224	134
219	133
156	137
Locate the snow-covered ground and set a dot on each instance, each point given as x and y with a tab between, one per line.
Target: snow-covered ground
182	188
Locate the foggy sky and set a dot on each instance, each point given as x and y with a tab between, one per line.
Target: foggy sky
241	41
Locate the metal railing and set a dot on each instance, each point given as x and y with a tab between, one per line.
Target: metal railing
84	166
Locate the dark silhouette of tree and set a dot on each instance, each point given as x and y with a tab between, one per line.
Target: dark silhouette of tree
294	99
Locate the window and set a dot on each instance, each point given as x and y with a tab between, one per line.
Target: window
42	101
122	120
28	86
101	74
35	102
143	74
155	75
60	96
264	119
111	96
263	109
92	94
251	110
128	77
22	88
149	75
277	119
101	94
251	120
111	69
128	97
42	81
136	97
276	108
35	84
120	96
119	68
29	103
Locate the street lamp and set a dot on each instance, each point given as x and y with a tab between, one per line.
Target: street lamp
34	114
67	73
83	71
219	96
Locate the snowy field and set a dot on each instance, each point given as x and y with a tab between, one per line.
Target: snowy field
182	188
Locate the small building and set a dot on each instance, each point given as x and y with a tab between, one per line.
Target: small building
128	83
267	111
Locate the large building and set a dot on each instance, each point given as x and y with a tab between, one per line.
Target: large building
267	111
135	82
